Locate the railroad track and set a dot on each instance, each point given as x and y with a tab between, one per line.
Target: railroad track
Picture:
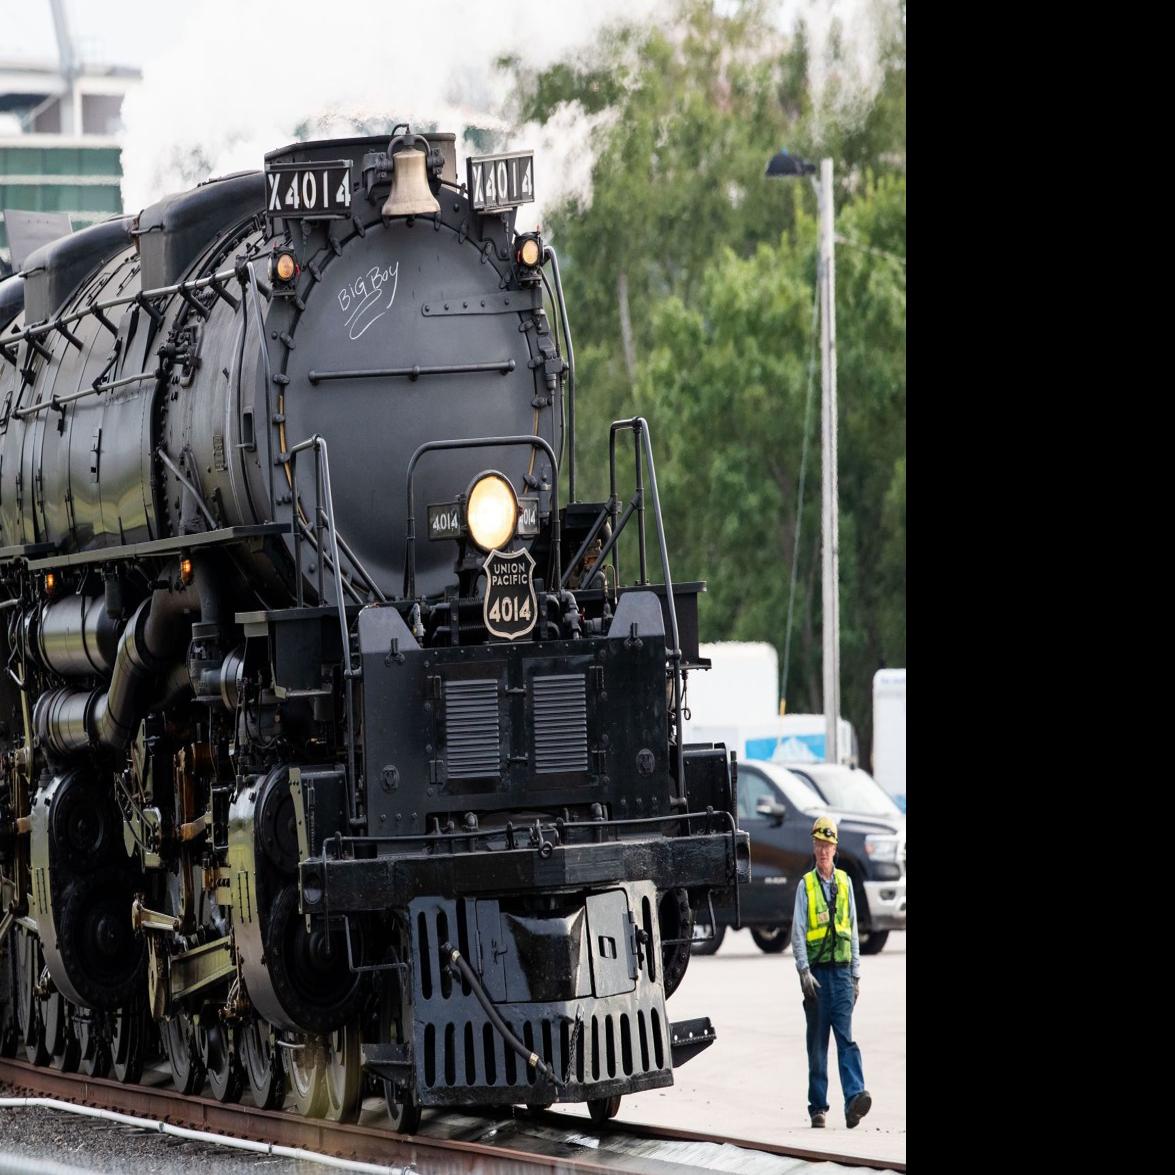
455	1142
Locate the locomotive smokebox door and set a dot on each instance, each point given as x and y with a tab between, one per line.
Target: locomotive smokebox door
511	606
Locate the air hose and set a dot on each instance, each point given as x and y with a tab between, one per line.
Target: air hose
463	969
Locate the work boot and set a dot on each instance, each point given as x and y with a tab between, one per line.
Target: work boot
857	1108
818	1118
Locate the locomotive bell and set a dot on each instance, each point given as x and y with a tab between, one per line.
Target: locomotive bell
410	194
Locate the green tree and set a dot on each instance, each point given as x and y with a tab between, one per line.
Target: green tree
728	383
690	281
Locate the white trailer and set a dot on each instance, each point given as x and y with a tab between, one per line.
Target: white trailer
742	686
737	702
889	732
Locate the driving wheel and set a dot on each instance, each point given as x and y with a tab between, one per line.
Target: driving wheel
9	1028
262	1062
65	1051
28	1007
304	1071
94	1048
128	1040
219	1058
183	1055
343	1074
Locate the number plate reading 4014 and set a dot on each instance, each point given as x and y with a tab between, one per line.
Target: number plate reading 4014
501	181
298	191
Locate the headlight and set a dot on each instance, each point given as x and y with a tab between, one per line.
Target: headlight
882	848
491	512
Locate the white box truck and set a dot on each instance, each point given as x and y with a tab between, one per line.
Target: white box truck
742	686
889	732
738	703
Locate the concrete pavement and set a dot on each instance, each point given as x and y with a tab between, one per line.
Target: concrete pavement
752	1082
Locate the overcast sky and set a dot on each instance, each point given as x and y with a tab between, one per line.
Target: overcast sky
224	81
111	32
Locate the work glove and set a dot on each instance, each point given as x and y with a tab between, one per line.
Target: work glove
856	989
809	984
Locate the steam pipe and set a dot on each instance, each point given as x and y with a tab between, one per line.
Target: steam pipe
75	636
68	720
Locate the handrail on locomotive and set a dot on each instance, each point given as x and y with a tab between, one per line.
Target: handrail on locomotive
326	516
472	443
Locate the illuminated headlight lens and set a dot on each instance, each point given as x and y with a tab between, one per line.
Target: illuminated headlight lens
882	848
492	512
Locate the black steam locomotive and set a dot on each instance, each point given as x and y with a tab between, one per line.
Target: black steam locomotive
334	750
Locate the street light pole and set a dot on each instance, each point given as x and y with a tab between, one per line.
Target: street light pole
783	165
830	528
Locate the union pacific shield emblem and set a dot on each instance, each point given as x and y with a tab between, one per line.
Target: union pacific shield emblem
511	607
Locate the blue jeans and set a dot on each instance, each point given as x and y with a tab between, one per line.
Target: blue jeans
832	1008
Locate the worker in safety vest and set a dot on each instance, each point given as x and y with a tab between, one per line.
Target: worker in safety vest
828	958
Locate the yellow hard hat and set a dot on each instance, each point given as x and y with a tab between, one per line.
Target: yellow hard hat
824	829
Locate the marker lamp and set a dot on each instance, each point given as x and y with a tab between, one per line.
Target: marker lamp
285	267
529	252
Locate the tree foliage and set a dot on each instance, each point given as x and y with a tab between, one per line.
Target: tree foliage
691	281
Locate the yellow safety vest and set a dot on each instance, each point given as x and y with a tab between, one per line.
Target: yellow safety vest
818	919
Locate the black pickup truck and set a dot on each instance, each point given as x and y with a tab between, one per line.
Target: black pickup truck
777	806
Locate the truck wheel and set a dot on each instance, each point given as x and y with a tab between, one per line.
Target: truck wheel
872	944
771	940
703	944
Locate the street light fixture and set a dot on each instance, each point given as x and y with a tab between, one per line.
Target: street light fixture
783	165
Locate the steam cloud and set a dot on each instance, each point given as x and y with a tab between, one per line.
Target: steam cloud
241	78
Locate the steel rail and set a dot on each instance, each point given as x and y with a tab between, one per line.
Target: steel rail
371	1143
675	1134
203	1136
365	1143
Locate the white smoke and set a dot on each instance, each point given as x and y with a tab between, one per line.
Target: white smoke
846	44
242	77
